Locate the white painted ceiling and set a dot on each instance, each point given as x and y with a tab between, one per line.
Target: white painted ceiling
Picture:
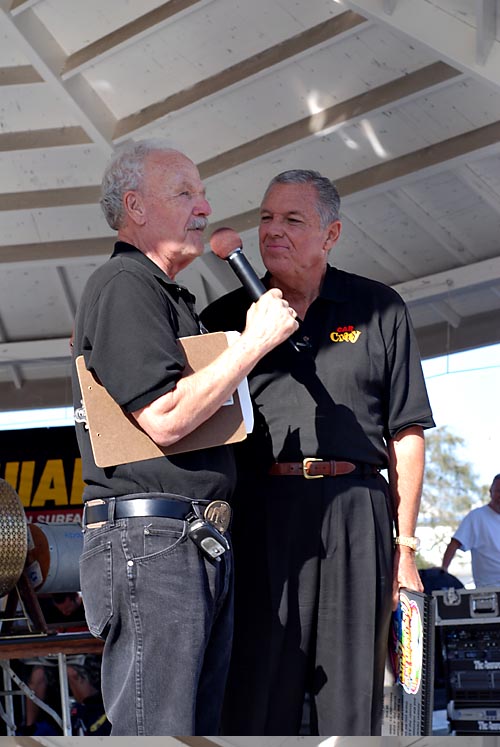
398	101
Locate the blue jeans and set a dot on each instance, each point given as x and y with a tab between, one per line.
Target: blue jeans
166	614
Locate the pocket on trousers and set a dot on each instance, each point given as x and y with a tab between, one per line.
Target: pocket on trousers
96	581
162	540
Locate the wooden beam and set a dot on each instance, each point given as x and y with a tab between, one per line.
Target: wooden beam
358	106
48	198
42	645
19	75
411	163
264	60
473	332
26	351
444	310
35	394
50	138
146	24
449	35
382	175
57	250
46	55
440	285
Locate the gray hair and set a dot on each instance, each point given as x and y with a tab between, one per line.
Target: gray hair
328	202
124	172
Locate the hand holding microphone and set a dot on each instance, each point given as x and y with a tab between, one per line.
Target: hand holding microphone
227	245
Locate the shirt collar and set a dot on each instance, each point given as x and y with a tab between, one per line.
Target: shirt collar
122	248
335	286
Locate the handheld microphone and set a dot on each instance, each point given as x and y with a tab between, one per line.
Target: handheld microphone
227	244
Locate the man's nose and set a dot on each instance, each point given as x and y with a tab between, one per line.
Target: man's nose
275	227
202	207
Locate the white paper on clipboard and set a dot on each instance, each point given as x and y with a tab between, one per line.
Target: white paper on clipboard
243	390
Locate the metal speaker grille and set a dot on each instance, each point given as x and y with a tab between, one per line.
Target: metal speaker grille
13	537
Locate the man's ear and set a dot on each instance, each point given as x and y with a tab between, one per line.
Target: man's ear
334	231
134	207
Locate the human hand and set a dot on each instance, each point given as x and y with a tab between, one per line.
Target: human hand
405	573
270	321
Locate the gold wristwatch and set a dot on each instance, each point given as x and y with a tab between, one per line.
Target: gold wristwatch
412	542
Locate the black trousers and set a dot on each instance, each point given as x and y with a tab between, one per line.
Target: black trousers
313	569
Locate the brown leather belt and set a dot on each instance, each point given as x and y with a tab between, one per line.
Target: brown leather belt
312	468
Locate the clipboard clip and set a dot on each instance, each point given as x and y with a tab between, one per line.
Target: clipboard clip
80	415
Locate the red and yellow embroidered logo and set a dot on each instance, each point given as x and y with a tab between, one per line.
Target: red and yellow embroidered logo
345	334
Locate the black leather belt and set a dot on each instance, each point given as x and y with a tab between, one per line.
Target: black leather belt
137	507
312	468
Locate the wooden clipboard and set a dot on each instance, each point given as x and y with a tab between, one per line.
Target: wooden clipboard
116	438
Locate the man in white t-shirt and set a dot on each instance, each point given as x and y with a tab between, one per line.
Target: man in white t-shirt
479	532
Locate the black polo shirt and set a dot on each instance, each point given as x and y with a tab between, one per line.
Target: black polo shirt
360	384
127	324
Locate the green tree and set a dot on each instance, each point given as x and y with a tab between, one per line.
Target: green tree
450	488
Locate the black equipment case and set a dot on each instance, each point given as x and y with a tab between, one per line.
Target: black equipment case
468	627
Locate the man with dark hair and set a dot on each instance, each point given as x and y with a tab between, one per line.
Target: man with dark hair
318	568
162	603
479	532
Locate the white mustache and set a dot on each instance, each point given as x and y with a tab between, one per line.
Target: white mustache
198	223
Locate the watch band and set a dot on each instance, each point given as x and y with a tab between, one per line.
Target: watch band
412	542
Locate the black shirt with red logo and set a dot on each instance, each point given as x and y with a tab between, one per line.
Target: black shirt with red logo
357	386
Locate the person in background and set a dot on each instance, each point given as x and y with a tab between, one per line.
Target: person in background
88	717
64	613
479	532
317	568
162	603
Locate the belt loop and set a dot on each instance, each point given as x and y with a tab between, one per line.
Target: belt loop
111	510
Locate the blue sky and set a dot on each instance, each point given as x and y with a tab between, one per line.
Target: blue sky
464	390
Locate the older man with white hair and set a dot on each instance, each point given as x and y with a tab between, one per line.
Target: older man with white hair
162	604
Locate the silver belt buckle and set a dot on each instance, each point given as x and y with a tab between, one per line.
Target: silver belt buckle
218	513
